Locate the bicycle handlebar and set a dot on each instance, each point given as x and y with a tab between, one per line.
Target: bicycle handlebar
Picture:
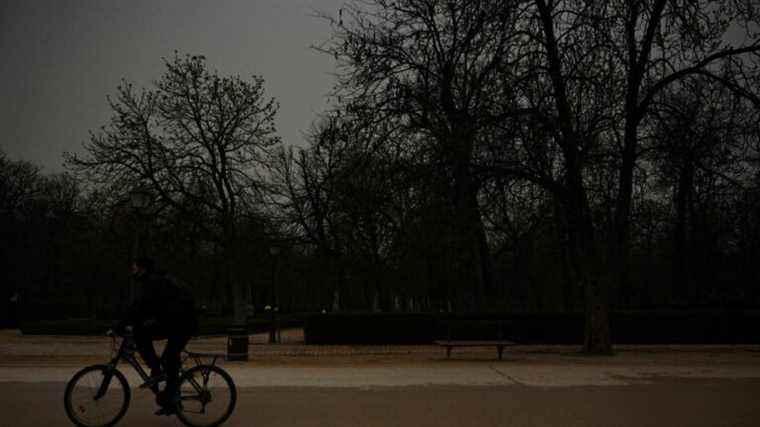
126	333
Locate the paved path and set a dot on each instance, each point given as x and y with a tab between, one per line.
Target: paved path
296	385
432	374
699	403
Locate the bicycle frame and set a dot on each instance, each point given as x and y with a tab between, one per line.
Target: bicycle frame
127	353
201	382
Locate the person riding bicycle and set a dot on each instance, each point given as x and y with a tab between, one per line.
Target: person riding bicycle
163	309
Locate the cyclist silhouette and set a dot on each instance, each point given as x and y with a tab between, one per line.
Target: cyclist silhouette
163	309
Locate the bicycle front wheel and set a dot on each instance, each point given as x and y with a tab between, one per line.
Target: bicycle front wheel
207	396
96	396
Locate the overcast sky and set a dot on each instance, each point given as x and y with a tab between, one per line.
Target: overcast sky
60	58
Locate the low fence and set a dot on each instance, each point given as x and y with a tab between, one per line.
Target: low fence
640	327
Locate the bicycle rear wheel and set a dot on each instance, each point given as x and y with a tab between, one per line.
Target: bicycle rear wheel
96	396
207	396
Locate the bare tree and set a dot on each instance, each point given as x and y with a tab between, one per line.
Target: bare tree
434	67
640	48
18	184
701	151
196	141
303	184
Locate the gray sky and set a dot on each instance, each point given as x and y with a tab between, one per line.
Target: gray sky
60	58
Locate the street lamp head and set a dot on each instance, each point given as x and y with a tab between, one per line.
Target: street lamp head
139	199
274	250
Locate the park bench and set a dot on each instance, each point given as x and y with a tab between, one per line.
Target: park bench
451	342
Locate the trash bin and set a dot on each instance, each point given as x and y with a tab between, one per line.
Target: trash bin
237	343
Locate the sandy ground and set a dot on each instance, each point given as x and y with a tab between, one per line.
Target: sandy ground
293	364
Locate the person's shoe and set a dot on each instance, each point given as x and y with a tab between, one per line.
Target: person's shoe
167	403
163	398
166	410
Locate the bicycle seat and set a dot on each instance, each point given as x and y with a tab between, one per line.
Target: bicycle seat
198	357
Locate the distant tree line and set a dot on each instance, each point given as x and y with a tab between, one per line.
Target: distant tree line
480	155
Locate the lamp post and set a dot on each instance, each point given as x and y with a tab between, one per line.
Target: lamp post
139	199
52	260
273	332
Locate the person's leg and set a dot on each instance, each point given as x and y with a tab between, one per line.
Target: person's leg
144	341
172	362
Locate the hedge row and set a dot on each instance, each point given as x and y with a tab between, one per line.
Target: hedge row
207	326
643	327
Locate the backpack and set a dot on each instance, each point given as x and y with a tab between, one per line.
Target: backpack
183	296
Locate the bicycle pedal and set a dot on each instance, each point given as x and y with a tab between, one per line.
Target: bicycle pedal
153	381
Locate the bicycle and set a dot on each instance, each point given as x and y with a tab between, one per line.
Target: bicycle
93	393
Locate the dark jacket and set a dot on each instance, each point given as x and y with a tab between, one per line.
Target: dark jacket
163	303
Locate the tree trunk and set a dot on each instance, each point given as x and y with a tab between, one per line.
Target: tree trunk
473	254
597	338
570	288
583	245
592	270
234	290
681	252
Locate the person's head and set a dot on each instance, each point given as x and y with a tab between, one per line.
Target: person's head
142	265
